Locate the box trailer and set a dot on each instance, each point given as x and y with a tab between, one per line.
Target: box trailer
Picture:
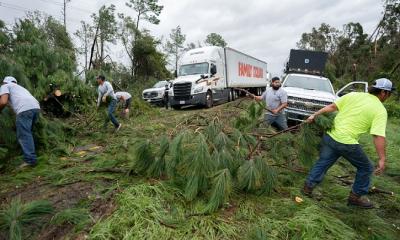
210	75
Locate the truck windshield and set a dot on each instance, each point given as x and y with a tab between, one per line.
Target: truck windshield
160	84
310	83
192	69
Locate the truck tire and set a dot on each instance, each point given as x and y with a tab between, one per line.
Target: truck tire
231	96
209	99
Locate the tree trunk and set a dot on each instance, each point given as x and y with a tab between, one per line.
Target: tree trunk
94	43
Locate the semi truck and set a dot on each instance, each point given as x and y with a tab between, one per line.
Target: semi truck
210	75
307	88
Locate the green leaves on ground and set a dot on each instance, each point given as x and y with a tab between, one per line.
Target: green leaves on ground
17	215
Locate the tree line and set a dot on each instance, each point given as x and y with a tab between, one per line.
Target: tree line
355	54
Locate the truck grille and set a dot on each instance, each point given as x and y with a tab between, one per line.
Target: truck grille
182	91
308	105
150	95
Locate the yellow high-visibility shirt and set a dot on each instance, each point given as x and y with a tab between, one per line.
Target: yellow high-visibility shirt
358	113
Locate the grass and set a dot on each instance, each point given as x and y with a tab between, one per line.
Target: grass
17	215
149	209
80	217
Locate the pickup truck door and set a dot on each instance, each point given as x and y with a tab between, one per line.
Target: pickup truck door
357	86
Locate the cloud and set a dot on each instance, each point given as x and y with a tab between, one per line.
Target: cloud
265	29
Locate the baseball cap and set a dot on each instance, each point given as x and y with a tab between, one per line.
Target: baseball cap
384	84
9	79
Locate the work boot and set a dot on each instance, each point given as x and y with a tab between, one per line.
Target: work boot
25	166
307	190
358	201
118	128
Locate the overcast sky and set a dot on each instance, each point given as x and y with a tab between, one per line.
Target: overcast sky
265	29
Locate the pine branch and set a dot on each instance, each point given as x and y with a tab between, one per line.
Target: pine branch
158	167
143	156
198	168
222	189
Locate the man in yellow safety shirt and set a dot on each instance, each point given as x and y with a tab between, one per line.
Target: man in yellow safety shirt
358	113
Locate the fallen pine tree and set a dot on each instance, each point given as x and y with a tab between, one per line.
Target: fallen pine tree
216	158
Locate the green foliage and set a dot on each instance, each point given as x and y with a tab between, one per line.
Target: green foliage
148	10
17	215
141	210
174	46
314	223
158	166
198	168
75	216
351	46
150	211
221	191
148	61
393	108
214	39
208	163
250	119
143	156
41	53
309	138
177	153
255	176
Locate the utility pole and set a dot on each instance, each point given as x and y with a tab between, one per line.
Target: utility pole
64	12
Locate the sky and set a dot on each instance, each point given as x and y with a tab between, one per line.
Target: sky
265	29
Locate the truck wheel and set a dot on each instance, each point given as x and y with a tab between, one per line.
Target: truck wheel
176	107
231	96
209	100
235	94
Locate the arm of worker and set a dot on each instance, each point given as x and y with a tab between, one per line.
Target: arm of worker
327	109
260	98
379	143
280	108
3	101
257	98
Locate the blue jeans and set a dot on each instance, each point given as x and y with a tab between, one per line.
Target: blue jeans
330	151
278	121
24	124
110	111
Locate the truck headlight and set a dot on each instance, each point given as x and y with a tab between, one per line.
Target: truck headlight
198	89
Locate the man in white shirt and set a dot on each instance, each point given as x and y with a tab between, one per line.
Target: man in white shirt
105	90
27	108
126	98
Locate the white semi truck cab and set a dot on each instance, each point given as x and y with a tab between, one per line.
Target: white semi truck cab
210	75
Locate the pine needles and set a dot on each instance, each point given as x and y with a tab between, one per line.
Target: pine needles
210	163
309	138
17	215
215	160
222	189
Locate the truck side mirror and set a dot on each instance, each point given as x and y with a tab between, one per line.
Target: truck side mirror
213	69
176	74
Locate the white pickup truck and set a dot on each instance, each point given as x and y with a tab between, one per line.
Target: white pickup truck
155	94
308	91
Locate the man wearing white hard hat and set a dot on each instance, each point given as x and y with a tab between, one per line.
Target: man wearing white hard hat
26	108
357	113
